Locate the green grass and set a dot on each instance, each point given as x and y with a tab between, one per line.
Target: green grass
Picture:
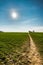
38	39
11	42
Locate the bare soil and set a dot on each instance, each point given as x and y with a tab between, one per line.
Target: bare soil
34	54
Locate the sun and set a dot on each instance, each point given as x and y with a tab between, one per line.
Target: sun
14	15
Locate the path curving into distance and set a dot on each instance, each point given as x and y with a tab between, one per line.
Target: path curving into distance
34	54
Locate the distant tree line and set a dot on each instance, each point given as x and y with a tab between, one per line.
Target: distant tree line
32	31
1	31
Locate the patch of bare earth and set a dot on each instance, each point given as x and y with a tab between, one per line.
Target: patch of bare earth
34	54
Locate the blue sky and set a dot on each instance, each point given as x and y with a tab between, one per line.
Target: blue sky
30	15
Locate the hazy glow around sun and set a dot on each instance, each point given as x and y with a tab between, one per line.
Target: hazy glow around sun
14	15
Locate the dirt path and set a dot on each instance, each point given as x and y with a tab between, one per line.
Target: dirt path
28	56
33	54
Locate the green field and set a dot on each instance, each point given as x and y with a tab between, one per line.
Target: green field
10	44
38	39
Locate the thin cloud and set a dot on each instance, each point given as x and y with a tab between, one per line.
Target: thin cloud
21	28
29	21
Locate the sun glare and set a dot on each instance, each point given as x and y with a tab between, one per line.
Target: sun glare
14	15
